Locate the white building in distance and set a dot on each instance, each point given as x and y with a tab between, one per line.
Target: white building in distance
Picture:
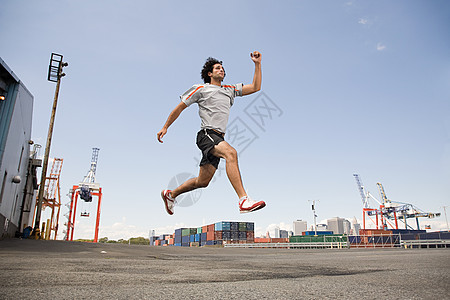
299	227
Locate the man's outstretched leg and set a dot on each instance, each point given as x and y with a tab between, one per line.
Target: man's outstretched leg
224	150
204	177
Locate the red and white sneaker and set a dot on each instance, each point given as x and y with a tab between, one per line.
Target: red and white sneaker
169	202
248	205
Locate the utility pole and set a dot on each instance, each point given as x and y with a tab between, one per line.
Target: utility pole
54	74
315	216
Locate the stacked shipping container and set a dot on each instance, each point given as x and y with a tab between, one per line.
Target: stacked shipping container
214	234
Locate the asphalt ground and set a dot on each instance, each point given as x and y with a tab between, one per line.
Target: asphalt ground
33	269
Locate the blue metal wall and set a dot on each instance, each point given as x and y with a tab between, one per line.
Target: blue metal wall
16	113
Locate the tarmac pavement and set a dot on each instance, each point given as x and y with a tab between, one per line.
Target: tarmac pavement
33	269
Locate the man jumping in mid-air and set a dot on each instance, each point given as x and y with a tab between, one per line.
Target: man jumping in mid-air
214	102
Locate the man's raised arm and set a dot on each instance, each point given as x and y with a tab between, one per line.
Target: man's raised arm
257	78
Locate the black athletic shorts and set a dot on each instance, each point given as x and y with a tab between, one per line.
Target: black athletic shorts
206	140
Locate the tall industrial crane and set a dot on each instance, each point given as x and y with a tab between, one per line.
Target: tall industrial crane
52	199
365	196
403	211
388	209
86	190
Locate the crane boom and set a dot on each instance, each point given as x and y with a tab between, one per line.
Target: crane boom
384	198
90	176
361	191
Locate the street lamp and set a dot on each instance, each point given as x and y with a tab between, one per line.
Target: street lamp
54	74
315	216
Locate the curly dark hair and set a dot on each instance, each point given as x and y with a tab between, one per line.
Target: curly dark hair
208	67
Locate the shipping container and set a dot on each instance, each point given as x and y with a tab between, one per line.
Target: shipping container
429	236
185	239
374	232
318	239
213	243
197	237
409	237
177	239
445	235
203	236
234	235
407	231
218	235
226	235
185	244
204	229
250	226
186	232
262	240
192	238
221	226
234	226
177	244
312	232
379	239
179	231
250	235
194	244
199	230
354	239
242	235
242	226
210	235
210	228
279	240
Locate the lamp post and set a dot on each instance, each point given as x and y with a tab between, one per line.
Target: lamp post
54	74
315	216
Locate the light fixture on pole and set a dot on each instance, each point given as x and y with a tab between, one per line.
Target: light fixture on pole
315	216
54	74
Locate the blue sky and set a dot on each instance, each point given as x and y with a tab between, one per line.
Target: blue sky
359	87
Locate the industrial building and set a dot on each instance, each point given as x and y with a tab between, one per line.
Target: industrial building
18	163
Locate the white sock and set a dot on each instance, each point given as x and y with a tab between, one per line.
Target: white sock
242	199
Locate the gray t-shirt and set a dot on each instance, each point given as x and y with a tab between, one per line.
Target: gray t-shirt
214	103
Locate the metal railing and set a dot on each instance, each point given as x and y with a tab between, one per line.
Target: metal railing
361	241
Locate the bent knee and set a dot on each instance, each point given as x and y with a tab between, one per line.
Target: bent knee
231	154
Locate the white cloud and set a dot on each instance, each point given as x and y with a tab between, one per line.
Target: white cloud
381	47
363	21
